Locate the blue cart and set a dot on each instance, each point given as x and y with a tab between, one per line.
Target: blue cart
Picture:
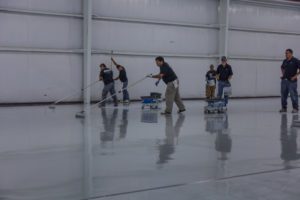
152	102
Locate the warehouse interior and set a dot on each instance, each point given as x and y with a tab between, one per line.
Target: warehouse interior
58	142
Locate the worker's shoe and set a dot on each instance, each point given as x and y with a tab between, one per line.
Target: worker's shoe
126	101
180	111
165	113
283	110
295	110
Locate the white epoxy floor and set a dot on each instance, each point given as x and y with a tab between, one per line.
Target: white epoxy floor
132	154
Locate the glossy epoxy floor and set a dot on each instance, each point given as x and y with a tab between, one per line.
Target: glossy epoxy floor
129	154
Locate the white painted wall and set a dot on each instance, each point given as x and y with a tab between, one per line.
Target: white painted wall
157	39
261	78
27	77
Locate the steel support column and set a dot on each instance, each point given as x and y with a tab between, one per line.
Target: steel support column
224	27
87	48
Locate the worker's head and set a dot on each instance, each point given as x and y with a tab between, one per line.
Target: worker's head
119	67
211	67
159	61
288	53
224	60
102	66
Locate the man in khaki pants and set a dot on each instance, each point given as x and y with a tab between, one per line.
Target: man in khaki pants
172	92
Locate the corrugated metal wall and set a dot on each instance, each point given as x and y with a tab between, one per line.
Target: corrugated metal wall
41	44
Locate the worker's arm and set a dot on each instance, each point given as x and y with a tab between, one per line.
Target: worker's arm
298	71
157	76
116	78
231	74
296	76
115	63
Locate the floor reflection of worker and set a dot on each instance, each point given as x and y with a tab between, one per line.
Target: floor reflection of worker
223	142
124	124
109	124
288	138
215	122
167	148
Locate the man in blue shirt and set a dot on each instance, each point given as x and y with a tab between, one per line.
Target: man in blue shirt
106	75
172	92
224	75
123	78
290	71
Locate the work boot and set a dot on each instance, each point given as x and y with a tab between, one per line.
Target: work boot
165	113
283	110
295	110
180	111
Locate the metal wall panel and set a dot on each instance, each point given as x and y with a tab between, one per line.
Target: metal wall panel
40	31
262	44
276	18
192	11
28	77
153	38
67	6
255	78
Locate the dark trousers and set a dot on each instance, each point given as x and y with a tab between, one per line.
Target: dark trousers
125	91
289	87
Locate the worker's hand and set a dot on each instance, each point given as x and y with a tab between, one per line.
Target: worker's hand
157	82
149	76
294	78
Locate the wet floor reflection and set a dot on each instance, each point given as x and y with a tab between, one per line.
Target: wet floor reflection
124	124
218	124
109	125
149	116
166	147
288	139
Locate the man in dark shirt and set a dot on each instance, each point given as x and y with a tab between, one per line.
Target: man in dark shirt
290	71
172	92
224	75
106	75
211	82
123	78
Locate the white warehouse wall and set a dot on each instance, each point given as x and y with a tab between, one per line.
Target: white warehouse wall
157	39
261	77
28	75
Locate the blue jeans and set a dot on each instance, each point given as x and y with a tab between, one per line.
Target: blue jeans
288	87
111	89
221	86
125	92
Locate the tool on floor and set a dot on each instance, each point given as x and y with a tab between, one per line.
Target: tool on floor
52	106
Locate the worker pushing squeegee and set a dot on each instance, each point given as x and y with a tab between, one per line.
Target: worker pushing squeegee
81	114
